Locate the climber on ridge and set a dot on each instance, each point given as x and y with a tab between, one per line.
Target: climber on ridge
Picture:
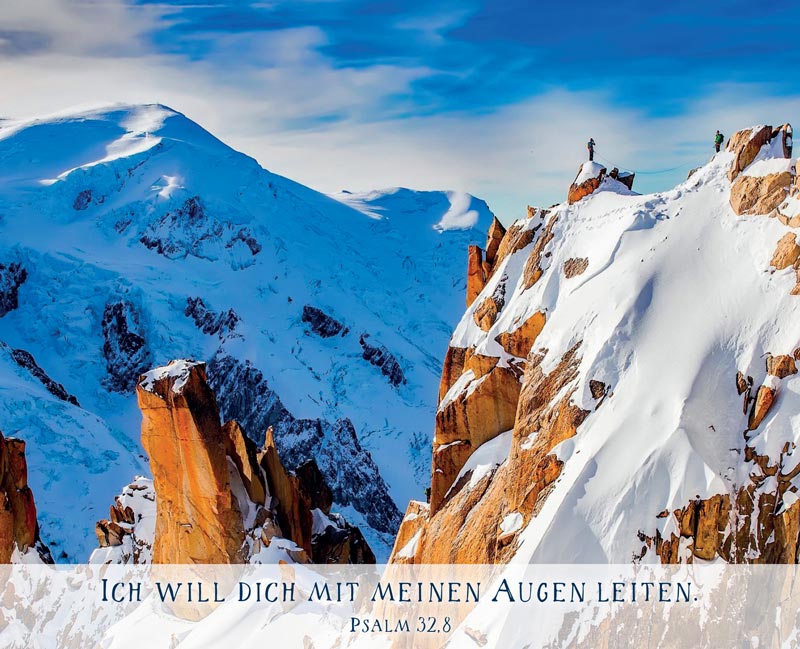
719	138
590	146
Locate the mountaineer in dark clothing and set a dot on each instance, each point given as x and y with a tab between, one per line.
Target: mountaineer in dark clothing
590	146
719	138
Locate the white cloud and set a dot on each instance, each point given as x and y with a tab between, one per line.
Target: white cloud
261	93
78	26
527	153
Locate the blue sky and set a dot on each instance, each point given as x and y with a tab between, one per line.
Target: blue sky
494	98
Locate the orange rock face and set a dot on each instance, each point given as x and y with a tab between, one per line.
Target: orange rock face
220	499
198	520
18	526
465	528
294	514
577	191
786	252
781	366
760	194
519	341
414	521
791	221
487	311
745	146
749	526
763	402
533	266
294	497
480	413
476	276
518	237
479	364
243	454
453	368
493	239
481	398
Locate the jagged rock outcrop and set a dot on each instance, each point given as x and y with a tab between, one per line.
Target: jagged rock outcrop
124	346
198	517
759	194
760	190
467	526
625	177
590	176
575	266
788	212
786	252
469	418
26	360
218	499
753	525
417	515
478	395
12	276
500	243
19	529
518	342
348	468
220	324
304	512
127	535
763	401
191	230
598	389
245	396
745	146
490	307
383	359
339	542
121	518
519	235
321	323
534	264
781	366
476	275
759	521
493	240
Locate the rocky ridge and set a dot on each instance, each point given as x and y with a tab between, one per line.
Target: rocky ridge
523	388
217	497
19	529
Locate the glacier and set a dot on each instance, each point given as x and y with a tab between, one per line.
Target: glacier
139	237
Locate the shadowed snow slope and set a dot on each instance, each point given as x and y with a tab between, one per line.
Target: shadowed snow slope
143	238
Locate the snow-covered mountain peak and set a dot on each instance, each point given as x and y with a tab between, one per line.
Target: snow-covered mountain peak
461	211
46	149
131	236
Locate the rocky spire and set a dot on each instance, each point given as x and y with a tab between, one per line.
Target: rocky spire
198	518
218	498
18	527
